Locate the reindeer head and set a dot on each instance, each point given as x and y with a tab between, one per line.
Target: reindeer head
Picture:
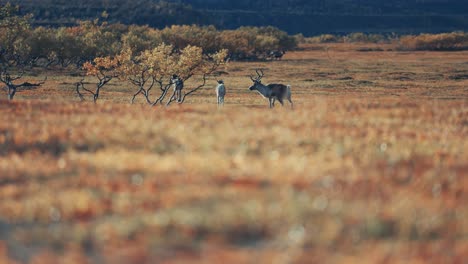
257	80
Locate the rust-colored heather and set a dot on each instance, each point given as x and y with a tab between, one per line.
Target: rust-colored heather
370	167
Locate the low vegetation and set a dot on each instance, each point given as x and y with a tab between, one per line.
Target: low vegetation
89	39
357	37
432	42
437	42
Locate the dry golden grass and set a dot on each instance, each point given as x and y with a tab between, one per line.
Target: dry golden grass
370	167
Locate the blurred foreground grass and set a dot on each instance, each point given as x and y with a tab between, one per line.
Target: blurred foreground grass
368	175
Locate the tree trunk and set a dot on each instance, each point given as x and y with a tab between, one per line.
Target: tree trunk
11	92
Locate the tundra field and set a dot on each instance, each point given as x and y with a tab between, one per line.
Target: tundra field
371	166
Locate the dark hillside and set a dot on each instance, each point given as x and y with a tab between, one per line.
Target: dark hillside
295	16
354	7
142	12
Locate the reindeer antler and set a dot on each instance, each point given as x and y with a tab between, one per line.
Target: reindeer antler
260	75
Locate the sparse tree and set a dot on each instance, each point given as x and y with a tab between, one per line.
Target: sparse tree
159	65
104	69
149	68
192	62
15	54
138	73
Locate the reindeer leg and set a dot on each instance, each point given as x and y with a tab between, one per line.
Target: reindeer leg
281	101
179	96
292	105
171	99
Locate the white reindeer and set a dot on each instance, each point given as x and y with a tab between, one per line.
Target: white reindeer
220	92
272	91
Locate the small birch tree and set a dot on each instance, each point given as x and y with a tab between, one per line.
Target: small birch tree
102	68
14	50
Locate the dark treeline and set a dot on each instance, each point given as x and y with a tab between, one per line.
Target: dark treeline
310	17
87	39
350	7
90	39
141	12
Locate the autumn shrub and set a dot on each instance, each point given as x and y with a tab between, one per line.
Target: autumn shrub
256	42
243	43
43	43
378	38
237	42
325	38
96	39
364	38
444	41
140	38
181	36
300	38
357	37
285	41
89	39
77	44
13	32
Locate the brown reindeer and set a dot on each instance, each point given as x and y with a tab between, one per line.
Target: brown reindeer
272	91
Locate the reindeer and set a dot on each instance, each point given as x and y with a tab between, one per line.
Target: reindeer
272	91
276	54
220	92
178	84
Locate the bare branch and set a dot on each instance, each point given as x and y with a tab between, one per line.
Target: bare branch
81	84
6	78
163	95
172	98
147	92
194	89
160	82
135	95
19	76
78	90
28	84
